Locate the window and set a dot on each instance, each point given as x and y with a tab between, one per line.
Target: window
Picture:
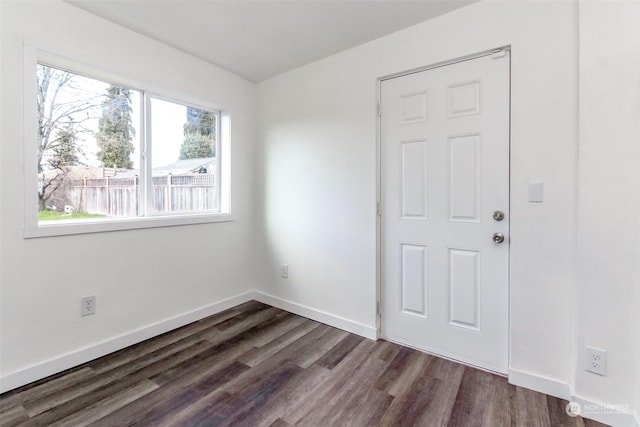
111	154
183	142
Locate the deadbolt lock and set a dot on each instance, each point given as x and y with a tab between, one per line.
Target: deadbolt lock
498	215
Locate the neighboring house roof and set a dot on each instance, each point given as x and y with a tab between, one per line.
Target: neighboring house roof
180	167
187	165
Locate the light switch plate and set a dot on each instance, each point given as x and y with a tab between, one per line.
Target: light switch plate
536	192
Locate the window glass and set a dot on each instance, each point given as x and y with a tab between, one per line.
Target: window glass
183	147
88	138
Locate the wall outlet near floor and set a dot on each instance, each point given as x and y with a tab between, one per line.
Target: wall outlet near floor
88	305
284	271
596	361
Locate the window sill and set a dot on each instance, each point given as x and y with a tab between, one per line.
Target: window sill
84	226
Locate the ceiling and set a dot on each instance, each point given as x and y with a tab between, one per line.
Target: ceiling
258	39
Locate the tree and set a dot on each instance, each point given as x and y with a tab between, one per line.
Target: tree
62	107
115	129
196	146
200	121
65	152
199	134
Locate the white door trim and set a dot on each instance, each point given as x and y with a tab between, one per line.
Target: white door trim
441	64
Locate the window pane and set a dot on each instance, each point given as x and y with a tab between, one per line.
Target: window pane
183	152
88	145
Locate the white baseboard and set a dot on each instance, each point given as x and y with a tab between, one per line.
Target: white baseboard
78	357
318	315
617	416
613	415
540	383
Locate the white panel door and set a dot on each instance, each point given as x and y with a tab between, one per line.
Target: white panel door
445	171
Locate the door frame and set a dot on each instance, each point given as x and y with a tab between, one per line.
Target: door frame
379	235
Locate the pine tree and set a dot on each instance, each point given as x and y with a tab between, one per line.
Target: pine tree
196	146
115	130
199	133
200	121
65	150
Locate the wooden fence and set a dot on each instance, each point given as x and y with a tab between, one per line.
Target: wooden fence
118	197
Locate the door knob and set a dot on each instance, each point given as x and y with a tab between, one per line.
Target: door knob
498	237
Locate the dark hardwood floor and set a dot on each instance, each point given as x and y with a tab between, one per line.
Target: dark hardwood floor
256	365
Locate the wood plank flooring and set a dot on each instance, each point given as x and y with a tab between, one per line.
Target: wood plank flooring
255	365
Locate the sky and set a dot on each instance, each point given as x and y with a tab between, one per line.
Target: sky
167	131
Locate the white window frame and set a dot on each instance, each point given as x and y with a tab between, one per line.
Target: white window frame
34	228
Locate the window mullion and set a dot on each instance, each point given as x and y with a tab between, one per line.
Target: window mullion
218	149
146	161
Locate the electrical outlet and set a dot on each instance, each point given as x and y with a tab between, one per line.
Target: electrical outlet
596	361
88	305
284	271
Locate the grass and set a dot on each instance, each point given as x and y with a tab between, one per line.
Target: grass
53	216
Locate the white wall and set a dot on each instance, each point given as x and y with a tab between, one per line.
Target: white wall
609	199
318	176
140	277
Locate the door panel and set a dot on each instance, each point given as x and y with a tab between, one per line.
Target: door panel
414	280
464	282
464	166
445	170
414	181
